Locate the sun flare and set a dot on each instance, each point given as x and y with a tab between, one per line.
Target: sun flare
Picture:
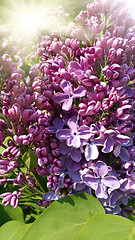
26	19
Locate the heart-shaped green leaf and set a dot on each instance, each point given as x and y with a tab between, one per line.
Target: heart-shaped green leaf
8	213
8	230
64	219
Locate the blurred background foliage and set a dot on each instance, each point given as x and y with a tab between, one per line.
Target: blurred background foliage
71	6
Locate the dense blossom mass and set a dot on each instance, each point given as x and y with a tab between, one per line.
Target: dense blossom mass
68	126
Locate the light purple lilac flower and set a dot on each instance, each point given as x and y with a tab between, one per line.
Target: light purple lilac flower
67	97
80	71
99	181
75	134
109	138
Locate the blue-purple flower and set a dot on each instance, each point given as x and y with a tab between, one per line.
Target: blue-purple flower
109	138
75	135
67	97
99	181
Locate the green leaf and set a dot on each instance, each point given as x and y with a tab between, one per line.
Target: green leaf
108	227
14	213
30	159
1	149
4	217
64	219
8	213
5	143
13	230
3	117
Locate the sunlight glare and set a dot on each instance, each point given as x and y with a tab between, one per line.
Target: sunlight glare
27	20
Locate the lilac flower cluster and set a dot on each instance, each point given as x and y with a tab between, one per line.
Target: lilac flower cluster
74	115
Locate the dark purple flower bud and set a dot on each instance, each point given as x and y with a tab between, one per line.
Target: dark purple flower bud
107	104
12	152
42	171
122	112
52	180
42	161
43	203
19	179
29	115
14	112
54	145
41	152
23	139
93	107
56	152
31	181
11	198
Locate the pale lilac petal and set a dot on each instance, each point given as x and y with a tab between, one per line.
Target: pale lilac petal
123	140
64	149
111	182
124	155
72	123
101	169
49	196
67	104
52	129
110	132
74	141
90	181
116	150
75	154
100	192
63	133
74	175
78	186
75	166
66	162
61	180
79	92
58	123
99	141
84	132
91	152
60	97
108	145
66	86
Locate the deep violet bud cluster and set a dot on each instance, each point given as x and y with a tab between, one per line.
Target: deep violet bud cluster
70	123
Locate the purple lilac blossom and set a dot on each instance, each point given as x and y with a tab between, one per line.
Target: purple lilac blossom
67	97
74	134
100	181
